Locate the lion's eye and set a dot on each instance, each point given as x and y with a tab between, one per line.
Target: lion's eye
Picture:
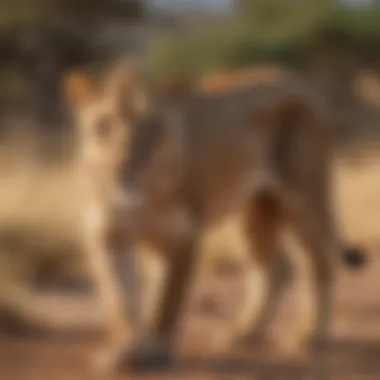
104	128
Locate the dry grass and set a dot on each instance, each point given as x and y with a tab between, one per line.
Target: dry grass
357	192
40	208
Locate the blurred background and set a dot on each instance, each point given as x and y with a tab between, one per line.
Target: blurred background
334	44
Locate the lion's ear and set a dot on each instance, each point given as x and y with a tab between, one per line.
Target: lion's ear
79	89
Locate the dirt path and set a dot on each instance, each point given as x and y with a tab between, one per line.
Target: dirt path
39	359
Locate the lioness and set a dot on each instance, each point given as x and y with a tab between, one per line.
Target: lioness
195	159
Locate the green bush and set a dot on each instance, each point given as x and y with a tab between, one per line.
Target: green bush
285	32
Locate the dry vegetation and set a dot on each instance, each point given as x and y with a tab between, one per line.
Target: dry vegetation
358	199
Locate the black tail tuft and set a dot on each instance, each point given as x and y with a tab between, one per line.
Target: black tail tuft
355	257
